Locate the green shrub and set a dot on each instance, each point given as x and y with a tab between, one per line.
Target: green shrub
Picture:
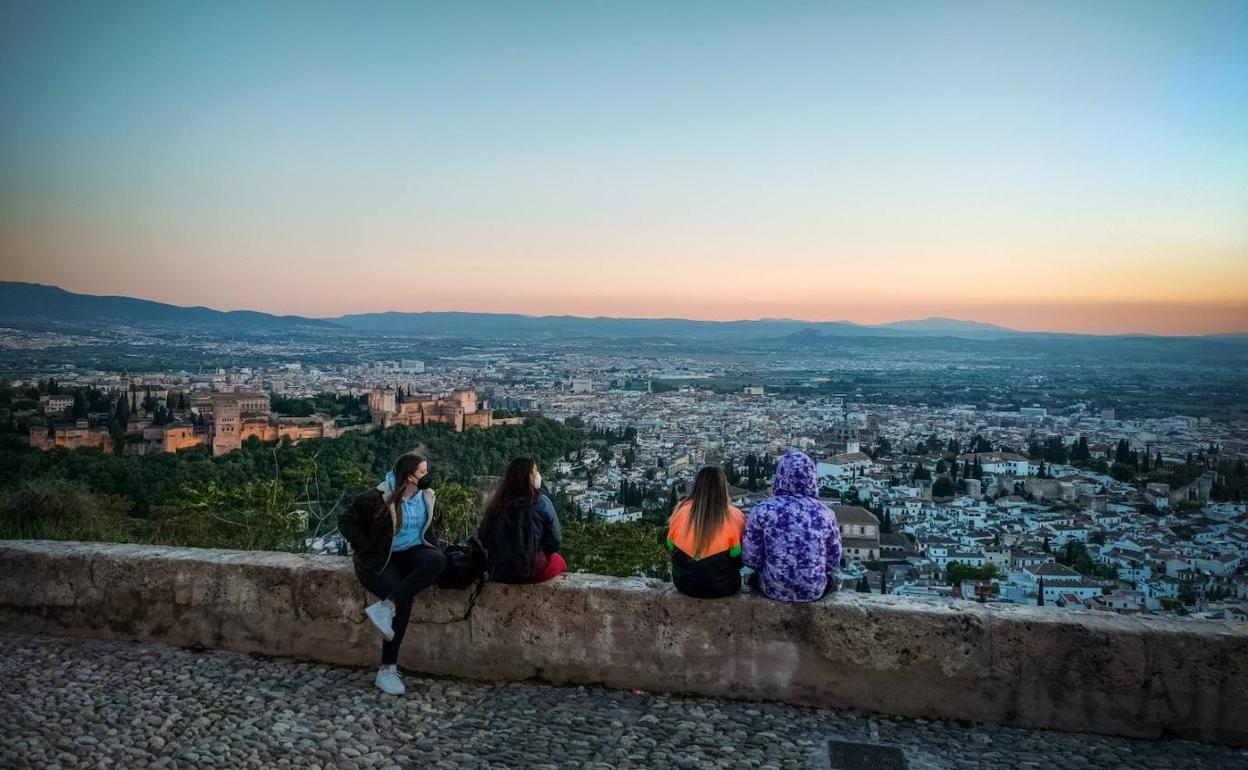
258	516
457	513
632	549
57	509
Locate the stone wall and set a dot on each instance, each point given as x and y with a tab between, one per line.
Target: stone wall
1068	670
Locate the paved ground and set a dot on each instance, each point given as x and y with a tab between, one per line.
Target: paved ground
79	703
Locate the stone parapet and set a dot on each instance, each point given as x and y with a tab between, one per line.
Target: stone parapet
1024	666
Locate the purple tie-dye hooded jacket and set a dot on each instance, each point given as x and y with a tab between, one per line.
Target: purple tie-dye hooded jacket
791	538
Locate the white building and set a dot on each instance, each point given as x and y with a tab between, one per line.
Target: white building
615	513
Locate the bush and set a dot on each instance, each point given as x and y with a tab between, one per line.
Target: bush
630	549
57	509
259	516
457	513
957	572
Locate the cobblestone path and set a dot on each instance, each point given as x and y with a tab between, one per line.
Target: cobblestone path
73	703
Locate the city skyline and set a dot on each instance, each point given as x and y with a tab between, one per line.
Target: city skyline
1061	168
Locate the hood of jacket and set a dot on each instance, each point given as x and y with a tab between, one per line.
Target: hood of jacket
386	487
795	476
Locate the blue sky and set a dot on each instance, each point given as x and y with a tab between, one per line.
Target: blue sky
1036	165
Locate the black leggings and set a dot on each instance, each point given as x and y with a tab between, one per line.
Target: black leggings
405	575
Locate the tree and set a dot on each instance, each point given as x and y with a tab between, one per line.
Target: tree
80	405
943	487
1040	593
122	413
1079	452
921	473
1187	595
1121	471
863	586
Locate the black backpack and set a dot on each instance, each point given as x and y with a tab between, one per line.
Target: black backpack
513	546
465	564
466	567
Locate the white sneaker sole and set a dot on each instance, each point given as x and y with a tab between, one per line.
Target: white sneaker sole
390	692
387	633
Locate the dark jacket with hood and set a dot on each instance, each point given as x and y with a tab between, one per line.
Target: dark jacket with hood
369	525
519	549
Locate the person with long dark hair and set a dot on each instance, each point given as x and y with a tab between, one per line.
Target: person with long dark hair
704	535
387	529
519	529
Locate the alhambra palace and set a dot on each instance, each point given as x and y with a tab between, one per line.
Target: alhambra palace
225	420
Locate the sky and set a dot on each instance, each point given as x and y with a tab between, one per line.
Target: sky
1058	166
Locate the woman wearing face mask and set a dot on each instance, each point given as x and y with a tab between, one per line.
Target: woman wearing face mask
386	528
519	529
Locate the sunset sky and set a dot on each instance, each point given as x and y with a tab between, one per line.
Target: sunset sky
1049	166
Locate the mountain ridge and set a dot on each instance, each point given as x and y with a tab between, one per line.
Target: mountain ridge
33	301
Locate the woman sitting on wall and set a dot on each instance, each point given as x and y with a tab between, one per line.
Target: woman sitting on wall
520	530
791	538
704	536
386	528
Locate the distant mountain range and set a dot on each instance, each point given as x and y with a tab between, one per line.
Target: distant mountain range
36	302
32	302
511	325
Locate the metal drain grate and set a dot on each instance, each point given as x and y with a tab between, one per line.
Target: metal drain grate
844	755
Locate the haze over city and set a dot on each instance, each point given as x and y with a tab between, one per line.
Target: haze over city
1059	168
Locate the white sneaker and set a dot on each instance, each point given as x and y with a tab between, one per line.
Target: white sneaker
388	681
382	616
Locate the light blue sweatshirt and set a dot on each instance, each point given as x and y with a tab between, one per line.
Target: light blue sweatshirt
415	515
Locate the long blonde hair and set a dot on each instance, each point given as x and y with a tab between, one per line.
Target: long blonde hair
708	502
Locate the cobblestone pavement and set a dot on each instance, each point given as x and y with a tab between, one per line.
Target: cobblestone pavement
72	703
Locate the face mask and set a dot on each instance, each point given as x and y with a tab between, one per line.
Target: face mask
537	481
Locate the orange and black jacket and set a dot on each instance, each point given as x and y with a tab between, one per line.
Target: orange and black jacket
717	571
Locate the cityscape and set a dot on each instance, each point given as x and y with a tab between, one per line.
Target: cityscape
624	386
1013	493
